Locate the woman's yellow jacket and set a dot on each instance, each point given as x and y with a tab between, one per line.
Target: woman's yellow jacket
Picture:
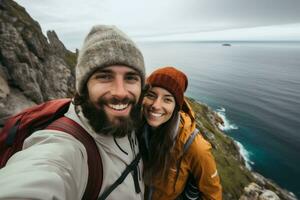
197	161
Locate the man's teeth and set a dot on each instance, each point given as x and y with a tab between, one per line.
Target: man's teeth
156	114
118	106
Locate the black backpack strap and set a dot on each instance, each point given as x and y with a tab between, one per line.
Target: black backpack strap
189	141
132	166
12	133
184	150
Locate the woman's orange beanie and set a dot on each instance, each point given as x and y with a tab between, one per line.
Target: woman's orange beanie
170	79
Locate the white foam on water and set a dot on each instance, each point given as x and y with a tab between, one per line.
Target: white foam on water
245	154
227	124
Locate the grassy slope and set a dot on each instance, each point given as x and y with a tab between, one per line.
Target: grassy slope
234	176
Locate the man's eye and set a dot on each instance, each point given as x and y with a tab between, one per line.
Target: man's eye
103	76
132	78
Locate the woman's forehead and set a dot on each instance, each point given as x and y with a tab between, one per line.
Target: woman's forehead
161	91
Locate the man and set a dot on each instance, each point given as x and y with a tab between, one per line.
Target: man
53	165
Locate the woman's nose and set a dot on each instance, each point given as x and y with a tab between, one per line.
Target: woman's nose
156	104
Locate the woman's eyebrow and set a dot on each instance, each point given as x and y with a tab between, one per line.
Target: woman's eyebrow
151	92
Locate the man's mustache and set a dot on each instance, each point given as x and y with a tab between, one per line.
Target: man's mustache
98	120
116	101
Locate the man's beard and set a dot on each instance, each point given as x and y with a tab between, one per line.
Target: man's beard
100	122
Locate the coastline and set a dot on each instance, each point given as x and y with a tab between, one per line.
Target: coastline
227	126
238	180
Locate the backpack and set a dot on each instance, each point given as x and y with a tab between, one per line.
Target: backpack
50	115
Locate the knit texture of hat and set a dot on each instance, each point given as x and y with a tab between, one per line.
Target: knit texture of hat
170	79
105	46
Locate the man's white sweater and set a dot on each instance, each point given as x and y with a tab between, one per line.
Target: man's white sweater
53	165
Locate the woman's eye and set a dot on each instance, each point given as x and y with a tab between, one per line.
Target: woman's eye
168	100
150	96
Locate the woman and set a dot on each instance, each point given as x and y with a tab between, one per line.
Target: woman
170	122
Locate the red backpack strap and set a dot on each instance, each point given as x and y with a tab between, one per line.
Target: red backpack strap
94	160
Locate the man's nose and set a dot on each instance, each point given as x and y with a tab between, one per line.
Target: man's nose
119	88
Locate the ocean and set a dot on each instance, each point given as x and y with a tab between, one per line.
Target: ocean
255	87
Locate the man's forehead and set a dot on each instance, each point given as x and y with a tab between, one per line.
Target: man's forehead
118	68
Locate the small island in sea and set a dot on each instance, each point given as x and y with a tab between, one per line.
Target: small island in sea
226	45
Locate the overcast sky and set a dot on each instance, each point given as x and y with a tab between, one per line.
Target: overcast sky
170	19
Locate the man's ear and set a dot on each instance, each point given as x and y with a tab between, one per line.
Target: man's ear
80	99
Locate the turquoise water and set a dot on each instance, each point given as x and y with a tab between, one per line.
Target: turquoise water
256	86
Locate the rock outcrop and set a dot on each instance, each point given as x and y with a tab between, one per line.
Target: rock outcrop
254	191
32	70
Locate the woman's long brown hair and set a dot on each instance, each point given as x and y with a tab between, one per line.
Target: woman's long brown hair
161	142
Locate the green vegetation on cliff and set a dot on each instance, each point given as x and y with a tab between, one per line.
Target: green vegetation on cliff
71	59
233	173
235	177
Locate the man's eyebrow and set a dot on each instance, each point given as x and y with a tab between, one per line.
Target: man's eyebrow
133	73
104	71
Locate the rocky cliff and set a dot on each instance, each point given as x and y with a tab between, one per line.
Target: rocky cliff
238	182
35	68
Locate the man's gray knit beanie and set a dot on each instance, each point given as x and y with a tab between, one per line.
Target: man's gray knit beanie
105	46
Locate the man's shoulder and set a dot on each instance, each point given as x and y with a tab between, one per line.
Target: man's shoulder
54	142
